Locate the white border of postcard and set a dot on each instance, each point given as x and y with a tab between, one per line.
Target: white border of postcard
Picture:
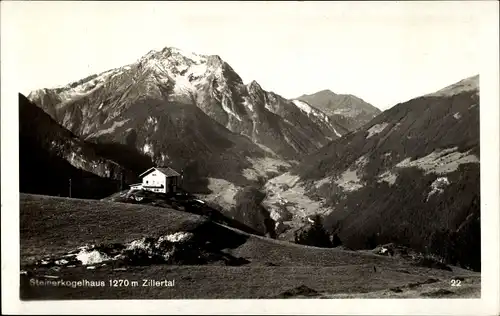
488	304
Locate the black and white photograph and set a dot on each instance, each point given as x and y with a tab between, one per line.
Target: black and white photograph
274	151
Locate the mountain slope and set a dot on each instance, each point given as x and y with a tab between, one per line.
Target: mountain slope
50	155
113	102
346	110
408	176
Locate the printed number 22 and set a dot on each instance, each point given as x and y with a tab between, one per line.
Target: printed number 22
455	283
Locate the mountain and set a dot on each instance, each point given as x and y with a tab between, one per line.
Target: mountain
346	110
192	112
410	176
50	156
132	99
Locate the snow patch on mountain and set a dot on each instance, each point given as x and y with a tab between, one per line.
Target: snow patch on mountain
185	70
111	129
197	58
182	84
303	106
148	149
309	110
164	158
229	111
187	78
336	132
265	148
152	122
80	88
268	107
248	105
290	142
441	161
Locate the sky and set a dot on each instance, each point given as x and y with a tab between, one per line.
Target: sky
382	52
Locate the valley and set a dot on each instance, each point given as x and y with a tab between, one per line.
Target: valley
409	174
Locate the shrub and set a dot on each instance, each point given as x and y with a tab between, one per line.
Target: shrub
462	247
372	241
336	240
249	211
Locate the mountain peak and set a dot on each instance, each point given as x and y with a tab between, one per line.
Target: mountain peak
254	85
467	84
321	93
347	110
214	61
176	54
327	91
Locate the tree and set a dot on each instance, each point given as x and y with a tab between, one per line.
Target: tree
443	243
469	245
316	235
371	241
336	240
249	211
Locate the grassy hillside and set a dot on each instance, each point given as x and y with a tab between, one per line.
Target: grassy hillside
271	269
47	222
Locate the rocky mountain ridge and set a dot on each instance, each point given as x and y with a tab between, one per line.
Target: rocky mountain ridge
98	105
